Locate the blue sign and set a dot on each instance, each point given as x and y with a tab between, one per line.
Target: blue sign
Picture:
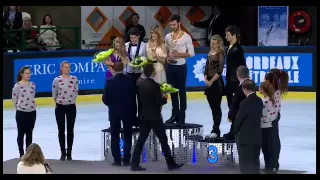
91	76
297	65
212	154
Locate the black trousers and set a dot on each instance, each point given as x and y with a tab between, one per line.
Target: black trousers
231	88
268	148
249	158
63	111
214	97
144	130
177	77
136	76
277	141
115	126
25	125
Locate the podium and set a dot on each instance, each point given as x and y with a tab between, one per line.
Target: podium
178	140
186	143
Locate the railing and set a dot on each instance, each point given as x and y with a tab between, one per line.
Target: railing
14	39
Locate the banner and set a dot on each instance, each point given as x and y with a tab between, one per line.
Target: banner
273	25
297	65
91	76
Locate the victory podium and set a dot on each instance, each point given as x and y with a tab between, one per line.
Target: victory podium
186	143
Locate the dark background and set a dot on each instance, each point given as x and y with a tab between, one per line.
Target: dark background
246	17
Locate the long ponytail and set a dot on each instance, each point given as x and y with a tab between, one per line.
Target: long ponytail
269	90
283	80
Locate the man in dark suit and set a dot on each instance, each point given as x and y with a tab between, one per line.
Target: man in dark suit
247	129
134	24
215	24
242	74
120	97
151	100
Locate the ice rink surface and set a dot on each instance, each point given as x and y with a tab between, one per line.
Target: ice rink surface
297	131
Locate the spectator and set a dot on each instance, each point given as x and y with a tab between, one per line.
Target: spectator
12	19
30	35
48	36
135	23
33	162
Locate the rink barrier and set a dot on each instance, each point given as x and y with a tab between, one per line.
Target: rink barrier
87	99
299	62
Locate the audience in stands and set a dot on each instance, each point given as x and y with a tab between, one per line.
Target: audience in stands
33	162
12	19
48	37
30	35
134	24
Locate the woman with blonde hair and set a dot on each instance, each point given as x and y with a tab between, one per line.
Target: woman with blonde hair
33	162
214	83
30	35
65	90
119	55
156	50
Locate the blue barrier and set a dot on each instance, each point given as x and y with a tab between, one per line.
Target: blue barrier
297	65
92	76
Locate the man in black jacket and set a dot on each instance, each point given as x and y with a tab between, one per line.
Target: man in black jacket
242	74
235	58
120	97
151	99
134	24
215	24
247	129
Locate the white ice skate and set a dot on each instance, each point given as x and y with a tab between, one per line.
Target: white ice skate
211	135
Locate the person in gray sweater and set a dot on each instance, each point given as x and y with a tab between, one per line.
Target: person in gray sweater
23	94
64	92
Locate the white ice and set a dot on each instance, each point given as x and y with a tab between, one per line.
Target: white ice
297	131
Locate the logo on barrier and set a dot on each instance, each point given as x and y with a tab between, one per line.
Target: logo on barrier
144	155
91	76
198	69
212	154
297	65
121	147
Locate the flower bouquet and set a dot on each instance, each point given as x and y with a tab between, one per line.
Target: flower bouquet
102	56
167	88
140	61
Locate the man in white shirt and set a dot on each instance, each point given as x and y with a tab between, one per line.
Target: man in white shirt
135	48
180	47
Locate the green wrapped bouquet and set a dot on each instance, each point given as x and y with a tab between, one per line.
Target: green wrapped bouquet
102	56
167	88
140	61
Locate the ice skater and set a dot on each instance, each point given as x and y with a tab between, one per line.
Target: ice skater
64	92
279	79
214	82
180	47
269	114
23	94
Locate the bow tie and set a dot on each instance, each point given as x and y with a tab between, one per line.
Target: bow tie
134	44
